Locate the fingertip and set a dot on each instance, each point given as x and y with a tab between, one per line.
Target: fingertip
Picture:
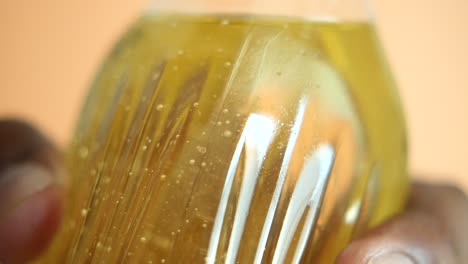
351	254
378	253
414	237
30	227
21	142
31	191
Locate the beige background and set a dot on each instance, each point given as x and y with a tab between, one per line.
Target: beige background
50	49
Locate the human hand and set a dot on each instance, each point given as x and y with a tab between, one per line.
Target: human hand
432	230
30	192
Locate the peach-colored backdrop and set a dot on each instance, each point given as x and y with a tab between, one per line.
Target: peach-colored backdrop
50	49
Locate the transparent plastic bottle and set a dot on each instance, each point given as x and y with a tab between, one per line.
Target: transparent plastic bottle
236	132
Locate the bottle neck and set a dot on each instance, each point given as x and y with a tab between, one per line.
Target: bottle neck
347	10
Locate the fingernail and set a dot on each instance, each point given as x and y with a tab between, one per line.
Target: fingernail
19	182
392	258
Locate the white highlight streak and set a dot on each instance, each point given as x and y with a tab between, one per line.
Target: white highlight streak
353	213
325	157
307	193
259	134
256	129
281	179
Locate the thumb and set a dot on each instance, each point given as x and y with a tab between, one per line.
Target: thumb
30	193
432	230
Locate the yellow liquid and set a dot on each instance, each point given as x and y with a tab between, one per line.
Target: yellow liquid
234	140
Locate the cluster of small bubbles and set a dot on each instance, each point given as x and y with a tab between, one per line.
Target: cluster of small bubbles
201	149
192	162
83	151
227	64
159	107
227	133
